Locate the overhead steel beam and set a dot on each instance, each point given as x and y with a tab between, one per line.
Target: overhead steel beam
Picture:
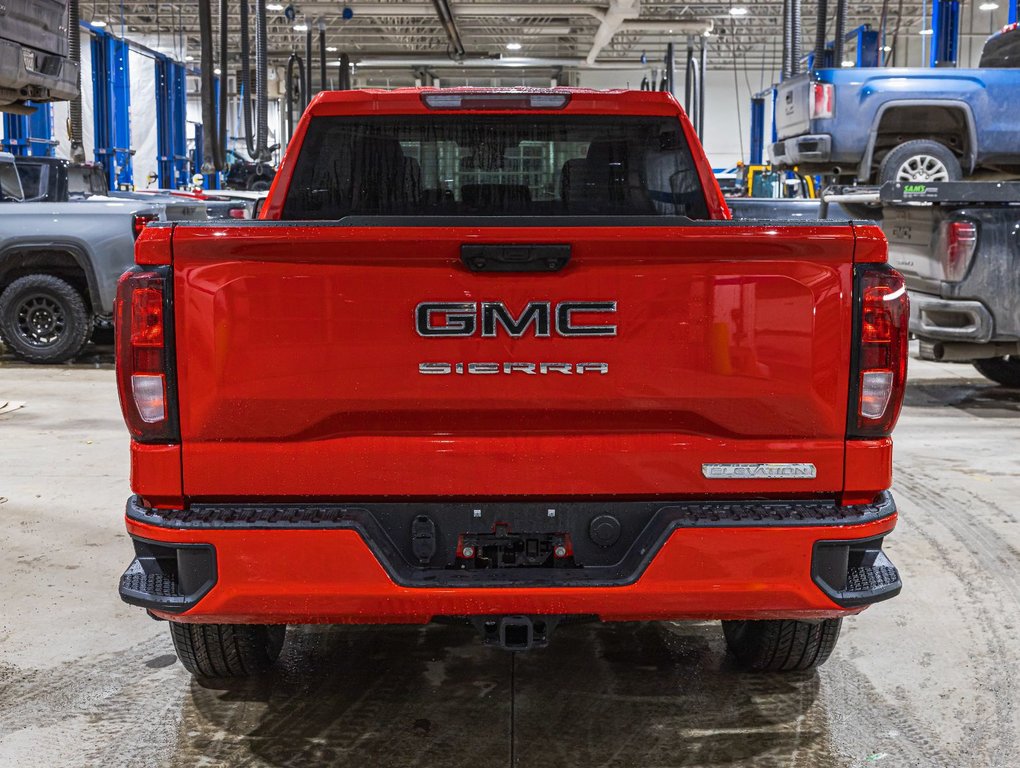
543	10
514	62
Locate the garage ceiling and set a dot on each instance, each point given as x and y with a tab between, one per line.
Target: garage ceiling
397	36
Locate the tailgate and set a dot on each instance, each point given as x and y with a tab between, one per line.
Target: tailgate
792	97
910	231
303	370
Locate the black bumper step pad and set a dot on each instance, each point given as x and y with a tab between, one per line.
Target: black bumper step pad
168	577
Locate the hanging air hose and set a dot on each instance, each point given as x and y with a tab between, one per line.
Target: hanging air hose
840	33
210	134
322	55
220	148
74	125
256	139
692	88
309	83
292	84
796	40
820	32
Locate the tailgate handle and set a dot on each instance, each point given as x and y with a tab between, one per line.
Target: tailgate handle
536	257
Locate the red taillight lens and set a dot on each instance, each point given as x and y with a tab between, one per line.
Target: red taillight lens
883	323
143	356
139	220
957	242
823	98
147	317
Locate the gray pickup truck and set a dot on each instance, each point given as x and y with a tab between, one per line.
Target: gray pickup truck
35	62
60	262
957	245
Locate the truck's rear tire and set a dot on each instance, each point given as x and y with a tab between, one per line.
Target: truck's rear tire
918	161
781	645
43	319
1001	370
227	650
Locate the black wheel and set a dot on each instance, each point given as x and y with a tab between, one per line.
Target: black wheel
781	645
257	183
1001	370
43	319
920	160
227	650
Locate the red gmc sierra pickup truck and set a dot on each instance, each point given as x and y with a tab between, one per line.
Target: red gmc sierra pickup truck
500	356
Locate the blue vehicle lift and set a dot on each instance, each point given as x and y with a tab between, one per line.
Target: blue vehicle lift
172	162
111	107
945	25
30	134
758	127
1012	11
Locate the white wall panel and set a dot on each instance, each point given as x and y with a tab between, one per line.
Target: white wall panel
143	118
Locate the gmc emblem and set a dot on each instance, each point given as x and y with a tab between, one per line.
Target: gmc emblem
465	318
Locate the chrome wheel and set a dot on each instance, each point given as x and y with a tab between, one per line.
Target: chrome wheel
922	168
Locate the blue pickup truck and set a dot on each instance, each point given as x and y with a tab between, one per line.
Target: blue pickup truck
904	125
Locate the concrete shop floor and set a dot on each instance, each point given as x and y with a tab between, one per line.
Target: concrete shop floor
929	678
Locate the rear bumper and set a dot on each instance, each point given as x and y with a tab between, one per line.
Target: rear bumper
340	564
802	150
941	319
50	77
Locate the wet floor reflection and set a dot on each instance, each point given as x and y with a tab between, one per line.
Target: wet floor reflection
620	695
981	398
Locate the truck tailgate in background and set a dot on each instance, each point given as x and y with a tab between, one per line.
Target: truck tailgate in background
299	359
910	231
792	97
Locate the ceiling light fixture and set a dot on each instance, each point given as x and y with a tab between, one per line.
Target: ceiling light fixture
738	11
99	23
300	27
217	71
189	58
887	48
848	63
988	7
275	7
513	46
925	32
331	48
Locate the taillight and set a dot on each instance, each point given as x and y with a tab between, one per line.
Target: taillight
139	220
883	316
238	213
957	241
822	103
144	356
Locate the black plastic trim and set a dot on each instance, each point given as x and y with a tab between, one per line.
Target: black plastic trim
468	222
838	566
515	257
171	578
386	530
